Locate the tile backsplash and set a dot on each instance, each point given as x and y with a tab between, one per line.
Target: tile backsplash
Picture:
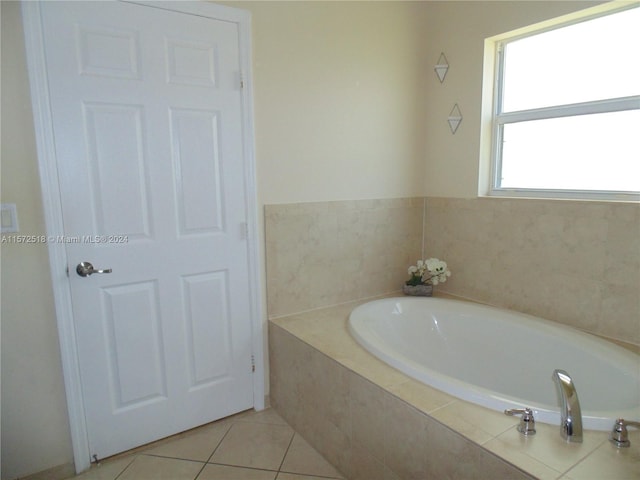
321	254
577	263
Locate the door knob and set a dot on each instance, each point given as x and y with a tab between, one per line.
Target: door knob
84	269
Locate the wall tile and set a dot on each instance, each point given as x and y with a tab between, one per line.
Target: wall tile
377	436
451	457
577	263
368	416
287	360
326	387
326	253
365	466
405	440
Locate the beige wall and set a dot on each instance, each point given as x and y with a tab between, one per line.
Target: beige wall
347	108
458	29
35	427
339	99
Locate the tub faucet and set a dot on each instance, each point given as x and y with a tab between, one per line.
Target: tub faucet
571	416
619	436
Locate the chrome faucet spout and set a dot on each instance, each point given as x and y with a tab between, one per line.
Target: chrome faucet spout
571	415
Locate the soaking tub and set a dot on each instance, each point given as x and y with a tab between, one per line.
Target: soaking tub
499	358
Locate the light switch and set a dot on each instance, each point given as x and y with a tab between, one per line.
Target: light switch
9	218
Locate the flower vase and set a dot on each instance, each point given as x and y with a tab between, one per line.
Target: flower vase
418	290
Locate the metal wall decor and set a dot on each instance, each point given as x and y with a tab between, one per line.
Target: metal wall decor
454	118
442	67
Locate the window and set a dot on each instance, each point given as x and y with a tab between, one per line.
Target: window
566	110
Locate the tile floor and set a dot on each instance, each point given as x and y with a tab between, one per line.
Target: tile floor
247	446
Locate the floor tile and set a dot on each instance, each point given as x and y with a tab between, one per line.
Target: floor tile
295	476
248	446
254	445
267	415
198	445
108	470
301	458
224	472
146	467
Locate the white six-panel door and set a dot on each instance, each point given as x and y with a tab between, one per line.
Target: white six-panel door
147	120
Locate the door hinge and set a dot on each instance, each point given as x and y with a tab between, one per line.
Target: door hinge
253	364
241	80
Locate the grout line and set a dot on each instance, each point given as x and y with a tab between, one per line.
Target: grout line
242	466
603	442
125	468
287	451
171	458
200	472
314	475
221	440
303	474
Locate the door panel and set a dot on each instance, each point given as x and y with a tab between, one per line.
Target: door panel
195	147
147	118
117	167
191	63
205	296
107	52
137	373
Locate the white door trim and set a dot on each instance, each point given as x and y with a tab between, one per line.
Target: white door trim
48	169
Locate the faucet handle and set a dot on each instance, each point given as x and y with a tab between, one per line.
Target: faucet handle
619	435
527	422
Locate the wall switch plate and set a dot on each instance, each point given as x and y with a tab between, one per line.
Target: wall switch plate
9	218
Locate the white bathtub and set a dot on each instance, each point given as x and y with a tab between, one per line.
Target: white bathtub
500	359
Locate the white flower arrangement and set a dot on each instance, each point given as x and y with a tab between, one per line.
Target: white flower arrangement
428	272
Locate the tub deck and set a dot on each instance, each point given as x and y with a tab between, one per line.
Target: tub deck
543	456
498	358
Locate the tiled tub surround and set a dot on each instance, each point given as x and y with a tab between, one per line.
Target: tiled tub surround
373	422
327	253
576	263
573	262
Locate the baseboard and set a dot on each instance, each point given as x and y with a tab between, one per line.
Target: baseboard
55	473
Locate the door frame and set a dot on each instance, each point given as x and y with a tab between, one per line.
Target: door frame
51	196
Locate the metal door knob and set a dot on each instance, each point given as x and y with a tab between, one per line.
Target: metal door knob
84	269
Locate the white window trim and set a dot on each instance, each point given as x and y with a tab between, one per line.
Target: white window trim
493	119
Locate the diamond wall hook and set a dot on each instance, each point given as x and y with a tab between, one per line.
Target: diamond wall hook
442	67
454	118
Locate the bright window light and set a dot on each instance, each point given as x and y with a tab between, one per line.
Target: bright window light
567	109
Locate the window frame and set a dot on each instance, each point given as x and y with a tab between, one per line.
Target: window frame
499	118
